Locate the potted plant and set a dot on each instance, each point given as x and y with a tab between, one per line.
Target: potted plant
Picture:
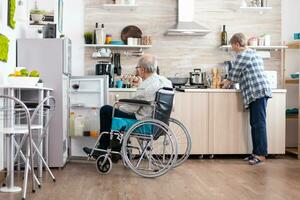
37	15
88	37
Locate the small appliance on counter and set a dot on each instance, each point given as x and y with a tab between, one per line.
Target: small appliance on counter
106	68
197	77
49	31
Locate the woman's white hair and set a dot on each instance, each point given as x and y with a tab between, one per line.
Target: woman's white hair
148	62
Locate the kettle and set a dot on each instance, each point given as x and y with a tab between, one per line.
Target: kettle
197	77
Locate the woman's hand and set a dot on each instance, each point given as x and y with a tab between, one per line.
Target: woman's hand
225	84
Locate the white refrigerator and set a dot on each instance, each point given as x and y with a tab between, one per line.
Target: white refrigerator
52	58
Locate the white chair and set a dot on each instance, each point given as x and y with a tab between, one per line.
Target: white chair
40	120
16	121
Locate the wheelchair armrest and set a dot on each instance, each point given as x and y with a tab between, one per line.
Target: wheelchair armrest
135	101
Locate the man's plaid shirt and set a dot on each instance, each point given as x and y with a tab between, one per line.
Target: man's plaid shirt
248	71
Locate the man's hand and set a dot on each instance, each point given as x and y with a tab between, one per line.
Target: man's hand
136	81
226	84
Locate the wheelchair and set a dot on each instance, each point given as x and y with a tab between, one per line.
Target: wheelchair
149	147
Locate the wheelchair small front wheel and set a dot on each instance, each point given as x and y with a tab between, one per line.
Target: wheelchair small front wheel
103	164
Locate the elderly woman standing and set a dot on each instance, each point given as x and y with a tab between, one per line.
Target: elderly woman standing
148	82
248	71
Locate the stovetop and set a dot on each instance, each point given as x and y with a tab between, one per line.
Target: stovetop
184	87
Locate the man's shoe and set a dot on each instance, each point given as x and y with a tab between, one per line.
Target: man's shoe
96	153
115	158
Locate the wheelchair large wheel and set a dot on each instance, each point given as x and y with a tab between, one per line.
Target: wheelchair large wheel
183	140
103	164
152	147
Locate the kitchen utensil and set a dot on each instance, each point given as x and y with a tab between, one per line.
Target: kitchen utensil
197	77
178	81
117	64
49	31
105	68
131	32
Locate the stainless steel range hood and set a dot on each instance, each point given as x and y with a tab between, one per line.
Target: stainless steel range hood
186	25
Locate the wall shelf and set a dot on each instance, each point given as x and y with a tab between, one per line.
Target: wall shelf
294	45
118	46
120	7
266	48
292	81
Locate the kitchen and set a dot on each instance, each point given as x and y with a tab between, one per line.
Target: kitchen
215	118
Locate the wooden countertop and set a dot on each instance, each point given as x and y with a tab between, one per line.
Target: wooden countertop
195	90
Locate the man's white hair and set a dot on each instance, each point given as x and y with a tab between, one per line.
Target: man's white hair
148	62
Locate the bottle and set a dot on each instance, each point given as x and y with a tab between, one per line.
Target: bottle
94	123
79	125
72	123
224	36
95	34
101	35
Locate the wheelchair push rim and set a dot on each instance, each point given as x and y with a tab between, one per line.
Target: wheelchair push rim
183	140
156	155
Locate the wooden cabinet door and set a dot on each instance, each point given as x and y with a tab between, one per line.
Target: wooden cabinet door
192	110
276	123
228	124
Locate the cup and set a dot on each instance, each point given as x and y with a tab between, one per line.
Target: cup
130	41
120	1
135	41
267	40
119	83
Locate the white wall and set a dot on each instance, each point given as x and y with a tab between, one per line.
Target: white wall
74	29
290	25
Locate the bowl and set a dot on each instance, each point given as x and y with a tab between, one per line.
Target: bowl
24	81
116	42
296	75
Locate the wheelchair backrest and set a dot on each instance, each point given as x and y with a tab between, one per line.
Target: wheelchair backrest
164	103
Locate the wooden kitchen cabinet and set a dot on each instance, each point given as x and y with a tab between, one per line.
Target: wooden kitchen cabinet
229	127
218	123
228	124
276	123
192	110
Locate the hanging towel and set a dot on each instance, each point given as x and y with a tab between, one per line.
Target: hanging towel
4	43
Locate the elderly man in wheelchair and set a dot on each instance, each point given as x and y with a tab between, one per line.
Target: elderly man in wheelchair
138	129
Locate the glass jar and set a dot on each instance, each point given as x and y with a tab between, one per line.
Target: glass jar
108	39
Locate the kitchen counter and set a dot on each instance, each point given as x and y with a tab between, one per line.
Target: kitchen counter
226	90
121	89
195	90
217	120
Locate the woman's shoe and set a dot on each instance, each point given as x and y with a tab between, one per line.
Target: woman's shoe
256	160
